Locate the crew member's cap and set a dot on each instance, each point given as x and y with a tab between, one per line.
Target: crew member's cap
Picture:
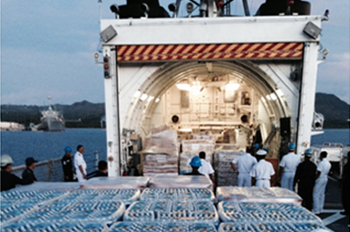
30	161
256	145
196	162
68	149
291	146
261	152
308	152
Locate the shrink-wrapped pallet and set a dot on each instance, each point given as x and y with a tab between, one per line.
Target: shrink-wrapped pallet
185	194
191	148
162	181
165	139
257	194
272	226
201	211
252	212
155	226
223	169
116	182
160	155
54	226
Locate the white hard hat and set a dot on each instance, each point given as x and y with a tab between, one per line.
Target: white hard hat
6	159
261	152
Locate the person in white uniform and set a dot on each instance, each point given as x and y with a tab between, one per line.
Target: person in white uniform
288	166
243	164
318	196
206	168
79	164
262	171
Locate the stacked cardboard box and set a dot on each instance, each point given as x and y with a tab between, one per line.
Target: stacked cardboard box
160	155
222	166
191	148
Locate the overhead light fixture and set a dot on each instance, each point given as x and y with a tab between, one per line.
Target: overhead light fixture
157	100
143	97
183	85
279	92
232	86
185	130
137	94
196	87
271	96
150	98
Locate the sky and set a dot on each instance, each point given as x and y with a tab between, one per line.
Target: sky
47	49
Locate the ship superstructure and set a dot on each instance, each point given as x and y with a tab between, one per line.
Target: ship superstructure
251	77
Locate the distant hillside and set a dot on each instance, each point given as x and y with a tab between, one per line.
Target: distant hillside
335	111
86	114
80	114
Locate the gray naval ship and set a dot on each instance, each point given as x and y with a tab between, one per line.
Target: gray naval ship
51	120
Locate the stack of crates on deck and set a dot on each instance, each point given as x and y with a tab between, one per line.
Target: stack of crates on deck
160	155
192	147
223	156
257	209
174	209
64	210
261	217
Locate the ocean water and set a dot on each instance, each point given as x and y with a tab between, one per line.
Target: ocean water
332	136
49	145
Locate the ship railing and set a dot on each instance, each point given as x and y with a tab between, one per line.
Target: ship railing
52	171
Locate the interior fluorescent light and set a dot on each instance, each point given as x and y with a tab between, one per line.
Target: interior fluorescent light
143	97
231	86
183	86
150	98
279	92
137	94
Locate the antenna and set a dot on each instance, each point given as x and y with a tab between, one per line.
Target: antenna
100	8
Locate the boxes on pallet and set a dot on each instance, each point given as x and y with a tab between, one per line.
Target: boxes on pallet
161	154
222	166
191	148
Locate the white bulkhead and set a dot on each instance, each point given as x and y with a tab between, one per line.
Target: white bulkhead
243	76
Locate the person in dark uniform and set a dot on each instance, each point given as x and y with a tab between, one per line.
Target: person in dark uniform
8	180
67	164
345	187
195	163
28	173
102	170
305	178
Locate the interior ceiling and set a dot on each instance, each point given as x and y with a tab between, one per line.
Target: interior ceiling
171	73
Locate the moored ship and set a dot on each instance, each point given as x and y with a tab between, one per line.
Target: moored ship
51	120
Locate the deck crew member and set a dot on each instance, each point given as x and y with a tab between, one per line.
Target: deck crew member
323	169
262	172
305	178
67	164
195	164
288	166
9	180
255	148
345	188
243	164
28	173
206	168
79	164
102	170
